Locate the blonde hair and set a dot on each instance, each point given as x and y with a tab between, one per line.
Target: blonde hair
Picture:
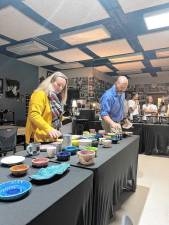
46	85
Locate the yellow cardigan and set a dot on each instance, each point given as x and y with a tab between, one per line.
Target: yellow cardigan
39	120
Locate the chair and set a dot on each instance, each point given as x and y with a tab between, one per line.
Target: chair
126	220
8	136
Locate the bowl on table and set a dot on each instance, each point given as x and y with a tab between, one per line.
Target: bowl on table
71	149
85	142
75	142
19	170
86	157
107	143
40	162
63	156
90	148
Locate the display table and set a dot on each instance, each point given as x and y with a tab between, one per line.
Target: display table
154	138
66	201
113	168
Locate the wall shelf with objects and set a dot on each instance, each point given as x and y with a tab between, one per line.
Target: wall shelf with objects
90	88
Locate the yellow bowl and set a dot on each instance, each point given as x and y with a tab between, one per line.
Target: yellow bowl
75	143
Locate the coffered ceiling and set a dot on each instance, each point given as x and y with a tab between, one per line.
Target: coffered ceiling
109	35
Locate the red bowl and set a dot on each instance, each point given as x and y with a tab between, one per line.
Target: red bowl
40	162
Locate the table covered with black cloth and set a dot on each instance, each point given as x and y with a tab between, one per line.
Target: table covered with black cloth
138	129
156	138
112	169
64	201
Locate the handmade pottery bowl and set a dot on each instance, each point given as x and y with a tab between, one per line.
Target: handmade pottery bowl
63	156
40	162
101	132
19	170
75	143
86	157
85	142
107	143
89	148
71	149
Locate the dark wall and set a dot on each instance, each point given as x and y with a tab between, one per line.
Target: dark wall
26	74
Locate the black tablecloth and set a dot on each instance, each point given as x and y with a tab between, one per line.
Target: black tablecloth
112	170
156	138
67	201
137	129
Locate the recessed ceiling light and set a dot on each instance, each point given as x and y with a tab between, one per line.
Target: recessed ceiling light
157	19
27	48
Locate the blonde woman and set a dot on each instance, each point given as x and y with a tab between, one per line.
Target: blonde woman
46	109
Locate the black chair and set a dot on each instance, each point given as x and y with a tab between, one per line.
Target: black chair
126	220
8	137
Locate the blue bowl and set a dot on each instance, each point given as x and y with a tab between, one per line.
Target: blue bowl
63	156
97	136
71	149
15	189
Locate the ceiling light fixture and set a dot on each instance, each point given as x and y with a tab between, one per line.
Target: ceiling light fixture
157	19
27	48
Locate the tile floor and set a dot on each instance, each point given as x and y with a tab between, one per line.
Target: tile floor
149	205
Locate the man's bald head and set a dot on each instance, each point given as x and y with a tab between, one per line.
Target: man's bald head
121	83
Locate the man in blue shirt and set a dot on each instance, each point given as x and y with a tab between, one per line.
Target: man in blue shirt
112	104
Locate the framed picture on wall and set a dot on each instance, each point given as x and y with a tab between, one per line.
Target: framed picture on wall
12	88
1	86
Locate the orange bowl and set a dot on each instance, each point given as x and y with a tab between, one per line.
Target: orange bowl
19	170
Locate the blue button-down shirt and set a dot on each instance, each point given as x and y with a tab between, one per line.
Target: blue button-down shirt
112	104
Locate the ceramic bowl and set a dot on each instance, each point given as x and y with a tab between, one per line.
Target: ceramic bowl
101	132
71	149
107	143
101	140
19	170
85	142
75	143
95	143
63	156
89	148
40	162
98	136
115	141
76	137
93	131
86	157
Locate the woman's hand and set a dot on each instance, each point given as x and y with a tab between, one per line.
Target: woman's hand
54	133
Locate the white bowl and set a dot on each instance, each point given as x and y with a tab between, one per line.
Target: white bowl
107	143
85	142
